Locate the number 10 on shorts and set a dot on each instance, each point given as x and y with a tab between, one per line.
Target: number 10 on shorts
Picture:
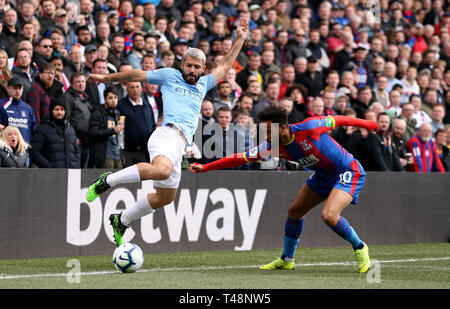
345	178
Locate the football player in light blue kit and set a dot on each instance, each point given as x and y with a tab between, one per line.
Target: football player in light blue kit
182	95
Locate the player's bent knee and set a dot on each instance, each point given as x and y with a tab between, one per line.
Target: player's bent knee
330	218
164	173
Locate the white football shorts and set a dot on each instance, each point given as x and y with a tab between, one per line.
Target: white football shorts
167	142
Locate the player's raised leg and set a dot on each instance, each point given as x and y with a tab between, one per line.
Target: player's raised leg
331	215
305	200
144	206
159	169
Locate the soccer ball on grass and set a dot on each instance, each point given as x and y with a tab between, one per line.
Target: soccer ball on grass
128	258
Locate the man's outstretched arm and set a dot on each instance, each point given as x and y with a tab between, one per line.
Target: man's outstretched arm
227	61
134	75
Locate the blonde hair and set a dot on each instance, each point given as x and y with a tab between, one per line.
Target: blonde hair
5	71
22	146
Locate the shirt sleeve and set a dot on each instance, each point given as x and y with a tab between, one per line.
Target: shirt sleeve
157	77
316	126
210	82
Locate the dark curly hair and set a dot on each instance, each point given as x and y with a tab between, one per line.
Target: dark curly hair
275	114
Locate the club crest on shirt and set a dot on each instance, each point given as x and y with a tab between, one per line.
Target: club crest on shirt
305	145
200	87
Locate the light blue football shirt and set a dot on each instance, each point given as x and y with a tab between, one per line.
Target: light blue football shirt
182	102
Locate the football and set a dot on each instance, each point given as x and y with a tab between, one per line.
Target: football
128	258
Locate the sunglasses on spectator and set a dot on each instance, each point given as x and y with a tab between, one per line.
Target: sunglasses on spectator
46	46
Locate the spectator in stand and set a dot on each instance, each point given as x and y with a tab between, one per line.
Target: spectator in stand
104	129
328	98
13	148
407	114
379	93
341	104
395	99
10	31
252	68
437	117
19	113
117	52
419	115
224	96
363	102
245	103
335	42
44	51
226	141
317	108
299	109
54	144
443	150
24	70
90	54
268	65
312	79
137	51
399	142
287	79
3	118
272	92
95	91
378	154
78	112
43	90
139	124
6	74
424	151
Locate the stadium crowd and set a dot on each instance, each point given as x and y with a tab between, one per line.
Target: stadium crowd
383	60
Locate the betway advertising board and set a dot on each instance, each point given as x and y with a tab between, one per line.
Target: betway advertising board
44	213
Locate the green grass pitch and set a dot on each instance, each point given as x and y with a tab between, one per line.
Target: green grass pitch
417	266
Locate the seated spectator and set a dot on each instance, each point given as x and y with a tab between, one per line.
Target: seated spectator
443	150
19	113
54	144
424	152
13	149
104	129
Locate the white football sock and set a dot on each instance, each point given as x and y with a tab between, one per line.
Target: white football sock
127	175
140	209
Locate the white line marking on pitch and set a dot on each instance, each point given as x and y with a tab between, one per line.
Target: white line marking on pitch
4	277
